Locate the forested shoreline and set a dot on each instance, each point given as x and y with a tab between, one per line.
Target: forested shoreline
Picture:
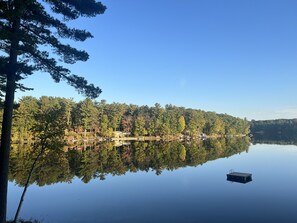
87	119
282	131
276	126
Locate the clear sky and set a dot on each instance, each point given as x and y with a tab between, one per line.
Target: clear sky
229	56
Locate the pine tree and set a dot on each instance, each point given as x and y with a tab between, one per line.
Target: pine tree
25	26
88	114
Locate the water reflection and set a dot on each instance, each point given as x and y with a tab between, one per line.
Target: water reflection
97	161
192	194
275	138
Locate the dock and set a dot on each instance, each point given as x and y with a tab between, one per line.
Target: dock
239	177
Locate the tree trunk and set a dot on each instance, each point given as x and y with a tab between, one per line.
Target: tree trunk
5	145
7	118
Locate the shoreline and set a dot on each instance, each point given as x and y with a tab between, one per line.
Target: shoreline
137	138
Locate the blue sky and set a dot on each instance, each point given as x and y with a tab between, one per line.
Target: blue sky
228	56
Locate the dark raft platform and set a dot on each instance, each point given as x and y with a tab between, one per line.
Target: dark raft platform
239	177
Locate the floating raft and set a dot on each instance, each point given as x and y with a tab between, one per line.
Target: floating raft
239	177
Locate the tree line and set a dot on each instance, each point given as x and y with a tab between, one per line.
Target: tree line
282	131
91	119
278	127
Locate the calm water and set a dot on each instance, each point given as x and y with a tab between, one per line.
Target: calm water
160	183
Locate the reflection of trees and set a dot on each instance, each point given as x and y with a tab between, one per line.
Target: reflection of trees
52	166
289	139
282	131
106	159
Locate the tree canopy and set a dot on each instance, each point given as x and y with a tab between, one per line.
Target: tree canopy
35	34
282	131
90	119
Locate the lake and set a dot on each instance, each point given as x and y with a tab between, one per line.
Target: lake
157	182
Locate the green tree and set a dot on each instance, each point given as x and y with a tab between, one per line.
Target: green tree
105	130
195	121
165	126
214	124
181	124
28	30
115	112
68	105
155	123
88	115
24	118
139	127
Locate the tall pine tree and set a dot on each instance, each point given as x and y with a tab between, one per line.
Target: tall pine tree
25	26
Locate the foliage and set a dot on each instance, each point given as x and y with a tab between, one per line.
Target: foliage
139	126
49	128
278	131
34	33
181	124
89	119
